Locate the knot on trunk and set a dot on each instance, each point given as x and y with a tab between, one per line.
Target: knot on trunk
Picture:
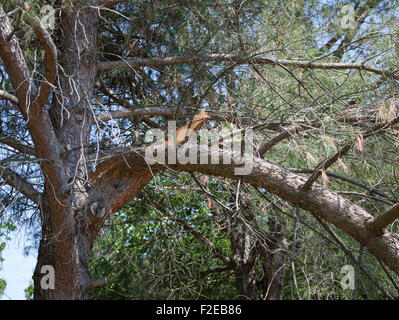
97	210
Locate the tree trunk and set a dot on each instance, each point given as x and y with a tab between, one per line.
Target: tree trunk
45	257
245	283
67	235
61	271
278	246
244	257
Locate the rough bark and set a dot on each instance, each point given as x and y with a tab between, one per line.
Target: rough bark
243	245
68	256
319	200
72	236
278	246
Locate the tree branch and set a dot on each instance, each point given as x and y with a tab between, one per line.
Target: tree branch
324	165
50	51
177	60
130	172
15	64
360	16
111	94
298	127
9	13
17	145
108	92
8	96
121	114
370	189
267	145
96	283
384	219
36	117
107	3
17	182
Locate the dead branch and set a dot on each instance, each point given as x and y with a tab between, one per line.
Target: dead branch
8	96
15	144
176	60
17	182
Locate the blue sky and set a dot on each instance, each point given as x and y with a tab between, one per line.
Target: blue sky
17	269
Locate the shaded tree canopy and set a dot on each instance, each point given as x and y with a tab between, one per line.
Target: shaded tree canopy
83	83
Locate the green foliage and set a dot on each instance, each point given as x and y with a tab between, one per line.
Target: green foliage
5	229
145	255
29	292
3	285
